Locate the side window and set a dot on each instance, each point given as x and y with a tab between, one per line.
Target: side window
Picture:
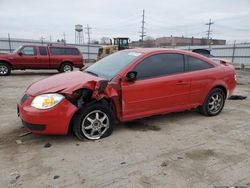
57	51
71	51
160	65
63	51
197	64
28	51
43	51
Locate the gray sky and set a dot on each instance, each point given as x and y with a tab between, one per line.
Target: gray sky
112	18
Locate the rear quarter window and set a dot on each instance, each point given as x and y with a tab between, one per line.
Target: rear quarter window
197	64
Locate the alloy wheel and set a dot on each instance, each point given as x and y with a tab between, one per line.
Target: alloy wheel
95	124
215	103
67	68
3	69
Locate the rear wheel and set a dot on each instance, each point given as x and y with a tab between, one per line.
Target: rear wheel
4	69
94	122
214	103
66	67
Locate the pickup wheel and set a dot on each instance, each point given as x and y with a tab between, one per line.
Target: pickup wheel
94	122
214	103
5	69
66	67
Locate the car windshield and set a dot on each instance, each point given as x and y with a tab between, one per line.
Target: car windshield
109	66
17	49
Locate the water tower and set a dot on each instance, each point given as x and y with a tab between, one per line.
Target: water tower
79	34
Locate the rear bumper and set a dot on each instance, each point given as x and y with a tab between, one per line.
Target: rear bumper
231	87
51	121
79	65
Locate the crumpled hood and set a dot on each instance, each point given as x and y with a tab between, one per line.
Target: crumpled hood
63	83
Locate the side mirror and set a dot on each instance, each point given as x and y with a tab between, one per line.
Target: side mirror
131	76
20	53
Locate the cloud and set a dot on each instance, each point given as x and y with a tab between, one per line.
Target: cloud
33	19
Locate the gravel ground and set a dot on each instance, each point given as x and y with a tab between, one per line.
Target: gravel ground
176	150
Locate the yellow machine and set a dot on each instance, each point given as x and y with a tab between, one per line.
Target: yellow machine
120	43
106	50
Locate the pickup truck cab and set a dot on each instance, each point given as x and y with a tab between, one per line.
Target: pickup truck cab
62	58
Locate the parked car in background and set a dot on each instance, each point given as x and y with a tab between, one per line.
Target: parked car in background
62	58
125	86
203	52
207	53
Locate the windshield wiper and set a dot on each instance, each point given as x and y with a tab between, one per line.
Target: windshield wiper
92	73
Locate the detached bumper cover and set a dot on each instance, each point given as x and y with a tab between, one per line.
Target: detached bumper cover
51	121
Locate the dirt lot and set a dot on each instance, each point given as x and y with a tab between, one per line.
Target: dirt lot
176	150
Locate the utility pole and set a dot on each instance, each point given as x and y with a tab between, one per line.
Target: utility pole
88	34
233	51
209	31
9	42
42	39
64	39
142	27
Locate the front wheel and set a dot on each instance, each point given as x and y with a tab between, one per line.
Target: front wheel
66	67
94	122
214	103
4	69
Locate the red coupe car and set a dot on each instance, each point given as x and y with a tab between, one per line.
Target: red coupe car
125	86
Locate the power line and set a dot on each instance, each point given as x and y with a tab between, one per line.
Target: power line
142	27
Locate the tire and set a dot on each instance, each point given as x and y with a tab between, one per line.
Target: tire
5	69
66	67
87	124
214	103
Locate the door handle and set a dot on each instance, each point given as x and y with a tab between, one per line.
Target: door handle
181	82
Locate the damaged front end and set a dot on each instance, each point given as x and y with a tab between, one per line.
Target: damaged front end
92	92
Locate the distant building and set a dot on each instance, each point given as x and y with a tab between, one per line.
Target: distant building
177	41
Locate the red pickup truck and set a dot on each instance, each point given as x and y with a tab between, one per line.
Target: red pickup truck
62	58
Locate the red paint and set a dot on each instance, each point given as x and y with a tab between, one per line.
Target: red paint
38	61
131	100
56	119
65	83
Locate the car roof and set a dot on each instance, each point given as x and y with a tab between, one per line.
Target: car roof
146	51
151	50
57	46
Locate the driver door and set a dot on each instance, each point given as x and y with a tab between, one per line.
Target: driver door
27	58
161	86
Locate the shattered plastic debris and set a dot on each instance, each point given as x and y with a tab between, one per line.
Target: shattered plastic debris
19	141
24	134
47	145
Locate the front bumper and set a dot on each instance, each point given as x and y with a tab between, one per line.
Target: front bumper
51	121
